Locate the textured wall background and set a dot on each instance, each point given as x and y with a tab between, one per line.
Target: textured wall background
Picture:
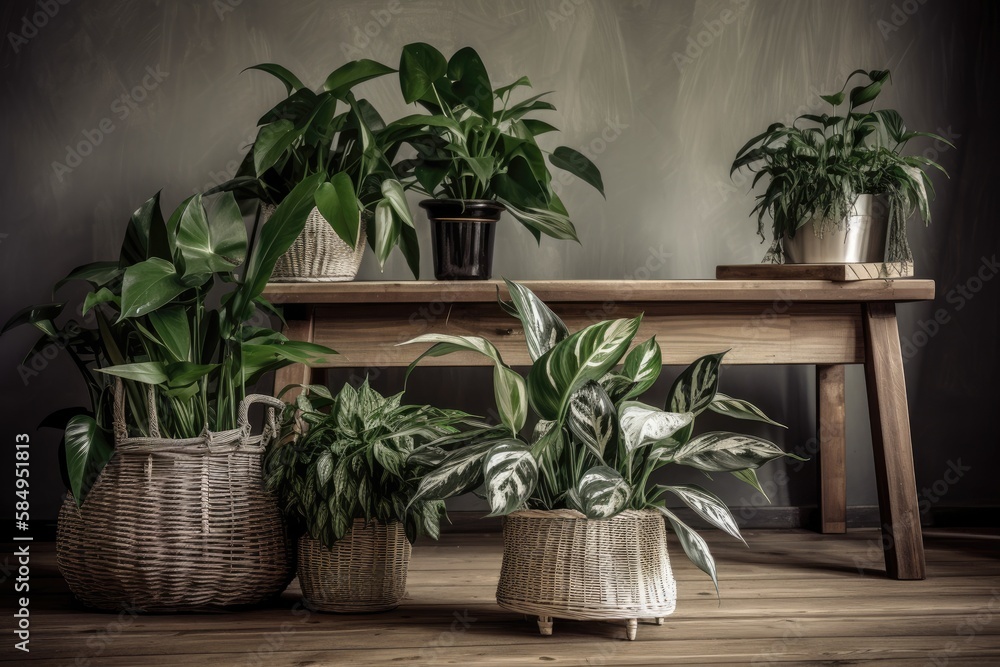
107	102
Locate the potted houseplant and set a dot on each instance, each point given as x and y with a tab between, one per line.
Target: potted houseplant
841	176
476	156
331	133
166	509
584	532
342	477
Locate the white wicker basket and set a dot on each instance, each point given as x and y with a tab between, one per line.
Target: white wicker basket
318	254
561	564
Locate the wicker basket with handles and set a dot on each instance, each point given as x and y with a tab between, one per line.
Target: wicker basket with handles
319	254
560	564
177	524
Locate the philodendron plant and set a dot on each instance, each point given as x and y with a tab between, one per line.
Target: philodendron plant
345	457
595	447
817	167
475	142
331	133
150	320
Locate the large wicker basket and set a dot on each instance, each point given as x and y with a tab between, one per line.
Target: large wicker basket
364	571
319	254
177	525
561	564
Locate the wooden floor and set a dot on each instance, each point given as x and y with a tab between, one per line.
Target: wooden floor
794	597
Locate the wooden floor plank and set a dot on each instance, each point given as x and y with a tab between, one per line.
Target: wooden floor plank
795	598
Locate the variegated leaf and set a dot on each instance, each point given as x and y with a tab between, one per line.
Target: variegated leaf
456	474
509	387
722	451
547	446
708	506
695	387
739	409
694	546
591	418
616	385
586	355
542	328
324	470
601	493
643	425
510	474
642	367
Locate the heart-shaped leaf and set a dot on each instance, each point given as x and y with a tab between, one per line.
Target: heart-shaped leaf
601	493
420	65
149	285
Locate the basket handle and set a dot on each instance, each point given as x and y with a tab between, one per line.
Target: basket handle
272	423
120	425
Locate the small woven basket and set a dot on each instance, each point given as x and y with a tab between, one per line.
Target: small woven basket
177	525
318	254
364	571
560	564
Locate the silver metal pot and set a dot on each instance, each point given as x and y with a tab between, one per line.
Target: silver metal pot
860	238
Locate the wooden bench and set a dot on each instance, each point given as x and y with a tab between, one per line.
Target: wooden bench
828	324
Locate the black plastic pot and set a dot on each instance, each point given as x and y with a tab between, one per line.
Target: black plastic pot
462	233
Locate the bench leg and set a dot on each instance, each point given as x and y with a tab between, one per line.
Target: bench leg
300	327
890	419
831	415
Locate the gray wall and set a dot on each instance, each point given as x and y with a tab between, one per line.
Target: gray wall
660	94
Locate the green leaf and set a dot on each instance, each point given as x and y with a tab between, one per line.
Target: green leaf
88	450
348	75
510	474
393	192
722	451
172	326
694	546
387	230
835	99
41	317
211	243
537	127
276	236
695	387
642	367
147	235
338	203
542	328
643	425
585	355
537	220
420	65
147	372
739	409
708	506
149	285
749	476
272	141
291	81
95	273
601	493
592	418
579	165
103	295
410	247
503	90
471	83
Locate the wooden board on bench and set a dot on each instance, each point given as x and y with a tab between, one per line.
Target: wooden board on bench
835	272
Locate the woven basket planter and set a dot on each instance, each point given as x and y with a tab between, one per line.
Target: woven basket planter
177	525
561	564
364	571
318	254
